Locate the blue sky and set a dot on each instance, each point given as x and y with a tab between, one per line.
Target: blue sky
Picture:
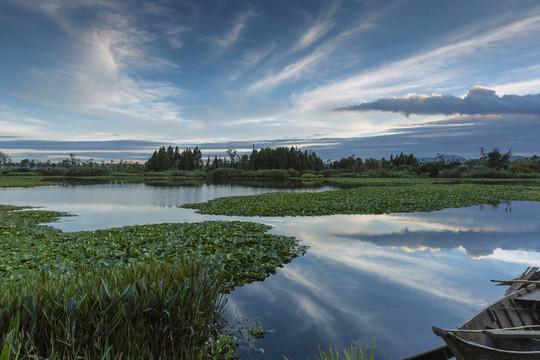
111	79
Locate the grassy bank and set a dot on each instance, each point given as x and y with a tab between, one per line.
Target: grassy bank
368	200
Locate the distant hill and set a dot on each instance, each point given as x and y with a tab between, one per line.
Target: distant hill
450	158
446	158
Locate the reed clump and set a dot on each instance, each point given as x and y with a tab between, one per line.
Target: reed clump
151	310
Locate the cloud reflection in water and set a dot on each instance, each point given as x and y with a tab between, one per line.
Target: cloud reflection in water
479	230
360	277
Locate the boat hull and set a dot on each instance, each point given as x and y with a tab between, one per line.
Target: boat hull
517	313
467	350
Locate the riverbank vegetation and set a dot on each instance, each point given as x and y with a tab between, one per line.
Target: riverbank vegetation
280	163
153	289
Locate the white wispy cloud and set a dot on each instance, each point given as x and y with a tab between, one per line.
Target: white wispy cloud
428	69
292	71
100	77
251	58
319	27
322	54
238	25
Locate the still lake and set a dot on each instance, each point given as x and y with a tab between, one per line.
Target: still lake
391	277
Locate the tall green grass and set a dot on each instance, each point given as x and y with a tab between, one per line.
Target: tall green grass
352	353
358	352
131	311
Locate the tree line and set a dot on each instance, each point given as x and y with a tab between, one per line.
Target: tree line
490	164
172	159
280	158
283	158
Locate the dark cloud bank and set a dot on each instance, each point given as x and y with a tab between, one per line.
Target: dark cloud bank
479	101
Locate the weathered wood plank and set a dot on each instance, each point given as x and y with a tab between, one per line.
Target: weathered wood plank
510	313
534	296
513	333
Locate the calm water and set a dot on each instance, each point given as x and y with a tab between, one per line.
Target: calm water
388	276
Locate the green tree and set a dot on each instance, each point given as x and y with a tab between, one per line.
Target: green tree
372	164
177	156
187	162
162	161
73	160
197	158
151	164
170	153
232	156
4	159
496	160
25	163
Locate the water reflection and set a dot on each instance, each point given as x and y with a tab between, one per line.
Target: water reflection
388	276
115	204
479	230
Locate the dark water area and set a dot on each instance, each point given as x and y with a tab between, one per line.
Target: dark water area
391	277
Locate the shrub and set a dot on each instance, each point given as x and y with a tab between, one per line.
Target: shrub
224	174
279	175
293	173
346	175
52	172
273	174
86	171
329	172
21	173
487	173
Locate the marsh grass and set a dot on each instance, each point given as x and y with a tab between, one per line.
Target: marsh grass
26	180
130	311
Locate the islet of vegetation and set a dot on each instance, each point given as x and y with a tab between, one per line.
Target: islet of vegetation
242	251
367	200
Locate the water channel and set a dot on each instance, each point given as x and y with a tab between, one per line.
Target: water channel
391	277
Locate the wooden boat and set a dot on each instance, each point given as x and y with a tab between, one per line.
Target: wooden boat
506	330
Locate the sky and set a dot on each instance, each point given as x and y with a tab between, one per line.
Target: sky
111	79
